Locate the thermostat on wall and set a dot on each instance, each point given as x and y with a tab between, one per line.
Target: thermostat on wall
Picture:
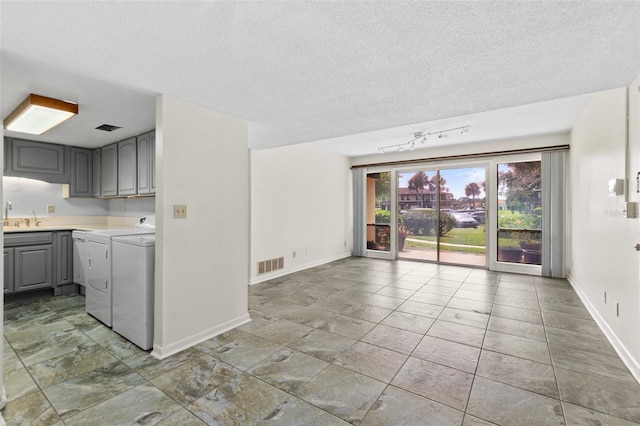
616	187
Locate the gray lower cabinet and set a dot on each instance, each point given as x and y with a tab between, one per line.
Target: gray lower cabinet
146	163
38	260
96	174
127	167
8	271
109	170
64	258
81	172
33	267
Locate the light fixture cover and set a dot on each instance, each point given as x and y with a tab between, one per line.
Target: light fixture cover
37	114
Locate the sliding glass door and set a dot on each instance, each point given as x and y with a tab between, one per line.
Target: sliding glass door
504	213
442	215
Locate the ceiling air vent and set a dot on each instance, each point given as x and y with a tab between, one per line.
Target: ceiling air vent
108	127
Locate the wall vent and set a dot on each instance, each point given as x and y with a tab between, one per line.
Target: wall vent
266	266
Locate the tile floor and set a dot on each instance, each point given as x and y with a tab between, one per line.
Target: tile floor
359	341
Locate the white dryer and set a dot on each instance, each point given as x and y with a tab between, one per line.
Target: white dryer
98	296
133	288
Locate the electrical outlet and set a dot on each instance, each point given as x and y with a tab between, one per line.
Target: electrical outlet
179	211
51	208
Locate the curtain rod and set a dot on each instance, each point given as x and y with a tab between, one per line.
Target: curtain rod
465	156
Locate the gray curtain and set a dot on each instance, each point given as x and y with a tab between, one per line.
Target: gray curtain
553	214
359	214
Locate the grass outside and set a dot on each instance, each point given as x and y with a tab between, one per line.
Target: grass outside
463	236
432	247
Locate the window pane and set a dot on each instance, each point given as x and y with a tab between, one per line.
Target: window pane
520	212
378	211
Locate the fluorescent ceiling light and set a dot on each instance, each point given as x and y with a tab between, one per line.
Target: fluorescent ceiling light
37	114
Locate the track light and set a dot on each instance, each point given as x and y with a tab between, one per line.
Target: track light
422	137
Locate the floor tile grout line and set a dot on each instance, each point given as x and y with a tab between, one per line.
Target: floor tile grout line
553	367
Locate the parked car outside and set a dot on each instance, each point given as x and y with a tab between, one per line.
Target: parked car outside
479	216
464	220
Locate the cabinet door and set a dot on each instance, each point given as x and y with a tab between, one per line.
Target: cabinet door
33	267
39	160
152	144
8	271
96	175
64	258
109	170
127	166
144	164
81	172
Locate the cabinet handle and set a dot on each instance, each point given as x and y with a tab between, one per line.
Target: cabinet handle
89	262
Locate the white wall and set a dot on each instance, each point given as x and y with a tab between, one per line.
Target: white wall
28	194
201	262
300	201
602	253
137	207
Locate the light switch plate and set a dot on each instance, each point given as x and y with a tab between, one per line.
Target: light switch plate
179	211
51	208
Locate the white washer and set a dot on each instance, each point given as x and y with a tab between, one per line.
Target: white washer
99	274
133	288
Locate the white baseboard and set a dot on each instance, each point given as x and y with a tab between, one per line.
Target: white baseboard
622	351
161	352
287	271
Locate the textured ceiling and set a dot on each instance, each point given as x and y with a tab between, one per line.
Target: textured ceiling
305	71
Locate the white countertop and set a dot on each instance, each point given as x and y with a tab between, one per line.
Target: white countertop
41	228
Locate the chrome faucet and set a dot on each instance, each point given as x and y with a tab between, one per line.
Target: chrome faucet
37	222
7	207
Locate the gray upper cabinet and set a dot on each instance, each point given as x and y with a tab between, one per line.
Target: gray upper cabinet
81	172
7	154
146	166
38	160
122	168
96	175
127	167
152	137
109	170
